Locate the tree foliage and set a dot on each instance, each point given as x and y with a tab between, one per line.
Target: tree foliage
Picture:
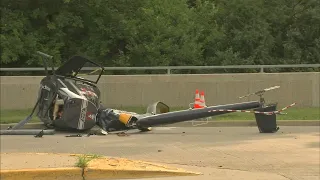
161	32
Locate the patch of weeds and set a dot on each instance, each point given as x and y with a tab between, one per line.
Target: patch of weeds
83	160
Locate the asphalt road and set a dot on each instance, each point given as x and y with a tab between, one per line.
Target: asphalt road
218	152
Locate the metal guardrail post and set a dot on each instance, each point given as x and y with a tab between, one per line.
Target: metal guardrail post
261	70
168	71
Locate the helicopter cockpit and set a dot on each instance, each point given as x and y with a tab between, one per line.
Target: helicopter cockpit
80	69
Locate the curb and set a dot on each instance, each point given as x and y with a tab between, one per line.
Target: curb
86	173
99	174
96	169
42	174
218	123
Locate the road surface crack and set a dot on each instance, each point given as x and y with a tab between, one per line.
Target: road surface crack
182	164
285	176
82	174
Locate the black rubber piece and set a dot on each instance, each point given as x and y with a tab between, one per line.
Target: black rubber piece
74	135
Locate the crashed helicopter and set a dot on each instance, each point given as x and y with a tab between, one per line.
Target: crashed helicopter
69	99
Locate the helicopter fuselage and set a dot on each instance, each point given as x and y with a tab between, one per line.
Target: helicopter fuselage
67	103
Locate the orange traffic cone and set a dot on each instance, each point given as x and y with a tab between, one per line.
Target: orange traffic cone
197	103
202	100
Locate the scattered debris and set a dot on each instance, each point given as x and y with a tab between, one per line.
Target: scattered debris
74	135
39	135
89	134
122	134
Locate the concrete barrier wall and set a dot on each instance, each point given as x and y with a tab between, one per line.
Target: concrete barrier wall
178	90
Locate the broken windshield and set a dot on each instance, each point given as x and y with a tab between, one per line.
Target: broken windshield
80	68
90	72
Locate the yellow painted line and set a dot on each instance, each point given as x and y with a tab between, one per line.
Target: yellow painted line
99	168
89	174
42	174
26	153
125	168
95	174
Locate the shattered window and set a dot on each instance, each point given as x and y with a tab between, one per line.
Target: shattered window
89	72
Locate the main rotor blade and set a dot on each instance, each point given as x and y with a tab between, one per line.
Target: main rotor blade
261	91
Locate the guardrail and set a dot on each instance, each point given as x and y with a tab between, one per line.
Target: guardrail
169	68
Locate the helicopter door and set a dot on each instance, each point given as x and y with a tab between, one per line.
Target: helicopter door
45	95
58	108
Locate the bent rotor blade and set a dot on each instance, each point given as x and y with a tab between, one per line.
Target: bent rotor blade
261	91
27	119
22	123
